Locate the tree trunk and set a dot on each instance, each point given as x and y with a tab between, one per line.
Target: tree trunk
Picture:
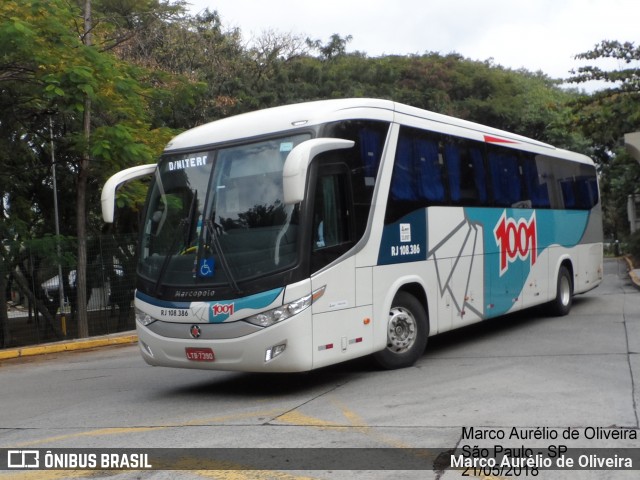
81	198
23	285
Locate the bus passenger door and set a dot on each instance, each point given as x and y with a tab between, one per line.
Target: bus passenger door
339	332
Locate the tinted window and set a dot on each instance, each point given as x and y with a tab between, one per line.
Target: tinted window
570	185
436	169
536	181
363	162
464	164
587	187
506	177
418	174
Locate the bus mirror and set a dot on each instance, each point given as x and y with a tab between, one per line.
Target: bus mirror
108	198
294	174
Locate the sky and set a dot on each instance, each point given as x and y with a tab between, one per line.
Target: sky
538	35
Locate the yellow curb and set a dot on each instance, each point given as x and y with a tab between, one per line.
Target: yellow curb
634	276
66	346
629	263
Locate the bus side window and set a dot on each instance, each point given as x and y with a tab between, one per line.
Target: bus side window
429	170
465	172
363	162
587	187
479	175
403	185
566	178
536	183
505	175
418	178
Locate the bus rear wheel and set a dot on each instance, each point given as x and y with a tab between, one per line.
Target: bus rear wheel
561	305
407	332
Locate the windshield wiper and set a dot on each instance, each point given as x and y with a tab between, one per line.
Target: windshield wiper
211	228
185	224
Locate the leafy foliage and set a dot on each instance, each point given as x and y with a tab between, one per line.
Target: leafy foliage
604	117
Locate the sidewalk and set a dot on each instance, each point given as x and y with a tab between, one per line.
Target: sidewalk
634	273
70	345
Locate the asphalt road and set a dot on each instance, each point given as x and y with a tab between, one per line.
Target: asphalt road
525	372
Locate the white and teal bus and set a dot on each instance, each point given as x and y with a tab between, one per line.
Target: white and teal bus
301	236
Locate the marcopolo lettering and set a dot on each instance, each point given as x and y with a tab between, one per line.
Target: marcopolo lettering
194	293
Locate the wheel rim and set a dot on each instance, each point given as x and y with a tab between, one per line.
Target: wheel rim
403	330
565	290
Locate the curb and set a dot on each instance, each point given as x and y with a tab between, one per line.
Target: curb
68	346
634	273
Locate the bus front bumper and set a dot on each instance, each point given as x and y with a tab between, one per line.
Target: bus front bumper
283	347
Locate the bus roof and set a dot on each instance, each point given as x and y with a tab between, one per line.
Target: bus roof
296	116
276	119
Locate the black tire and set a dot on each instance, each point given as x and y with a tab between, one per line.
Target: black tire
407	333
561	305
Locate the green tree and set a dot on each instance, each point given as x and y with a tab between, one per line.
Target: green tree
335	47
201	69
604	117
51	70
530	104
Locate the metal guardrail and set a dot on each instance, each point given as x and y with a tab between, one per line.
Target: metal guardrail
34	314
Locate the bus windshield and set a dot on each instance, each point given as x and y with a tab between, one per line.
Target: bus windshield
217	217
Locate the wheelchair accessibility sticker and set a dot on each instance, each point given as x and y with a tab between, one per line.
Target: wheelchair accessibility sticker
206	267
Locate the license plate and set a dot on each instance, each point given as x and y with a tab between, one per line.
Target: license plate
200	354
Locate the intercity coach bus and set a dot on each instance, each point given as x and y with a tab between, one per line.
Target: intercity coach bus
301	236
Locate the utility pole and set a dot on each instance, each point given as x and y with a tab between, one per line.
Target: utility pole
63	319
81	198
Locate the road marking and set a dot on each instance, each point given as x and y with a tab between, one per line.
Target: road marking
235	416
50	475
125	430
250	475
355	420
293	417
90	433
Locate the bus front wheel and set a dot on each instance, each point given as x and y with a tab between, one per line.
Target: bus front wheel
407	332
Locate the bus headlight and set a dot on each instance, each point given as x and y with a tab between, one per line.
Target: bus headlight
270	317
144	318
